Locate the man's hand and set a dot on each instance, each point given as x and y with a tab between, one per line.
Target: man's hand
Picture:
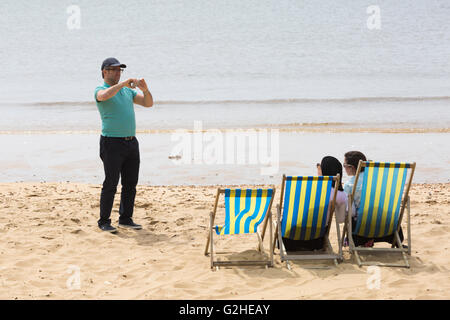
145	99
130	83
141	84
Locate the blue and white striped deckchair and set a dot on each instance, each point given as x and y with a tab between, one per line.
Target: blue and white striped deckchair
303	215
383	202
245	210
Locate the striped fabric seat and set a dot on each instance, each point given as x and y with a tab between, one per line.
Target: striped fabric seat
384	199
244	210
305	208
381	197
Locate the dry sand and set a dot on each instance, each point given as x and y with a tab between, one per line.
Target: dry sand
49	236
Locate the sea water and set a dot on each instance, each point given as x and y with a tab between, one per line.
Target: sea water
319	71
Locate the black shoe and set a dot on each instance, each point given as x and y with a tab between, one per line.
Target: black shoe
130	225
107	228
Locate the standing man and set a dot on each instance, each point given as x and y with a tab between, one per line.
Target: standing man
119	148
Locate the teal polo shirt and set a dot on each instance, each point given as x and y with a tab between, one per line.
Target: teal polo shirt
117	113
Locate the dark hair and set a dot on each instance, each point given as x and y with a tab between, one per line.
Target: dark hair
331	167
353	157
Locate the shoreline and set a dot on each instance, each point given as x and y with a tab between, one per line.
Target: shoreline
176	160
324	128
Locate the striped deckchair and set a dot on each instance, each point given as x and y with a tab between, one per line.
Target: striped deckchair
303	216
383	202
245	210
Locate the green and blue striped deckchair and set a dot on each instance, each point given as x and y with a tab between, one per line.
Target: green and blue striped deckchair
303	215
384	197
245	211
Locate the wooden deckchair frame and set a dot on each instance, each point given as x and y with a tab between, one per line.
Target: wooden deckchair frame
309	255
404	204
210	239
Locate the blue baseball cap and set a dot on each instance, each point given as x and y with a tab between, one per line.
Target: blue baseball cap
112	62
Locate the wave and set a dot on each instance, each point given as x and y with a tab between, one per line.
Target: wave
243	101
308	100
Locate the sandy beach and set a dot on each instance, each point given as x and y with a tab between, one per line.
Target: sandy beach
241	92
50	236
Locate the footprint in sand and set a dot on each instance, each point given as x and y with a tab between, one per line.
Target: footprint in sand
78	231
401	282
180	221
143	205
26	263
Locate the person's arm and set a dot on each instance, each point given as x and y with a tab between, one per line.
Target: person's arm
110	92
145	99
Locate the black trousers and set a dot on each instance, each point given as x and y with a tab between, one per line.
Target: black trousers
359	241
303	245
121	159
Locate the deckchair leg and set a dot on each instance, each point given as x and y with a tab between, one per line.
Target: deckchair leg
270	240
330	251
276	229
329	247
260	247
283	252
406	260
211	239
211	223
207	244
266	220
358	260
338	231
397	238
212	215
344	232
351	243
409	226
352	246
288	265
275	239
278	234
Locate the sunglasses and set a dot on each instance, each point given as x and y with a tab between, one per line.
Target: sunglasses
114	70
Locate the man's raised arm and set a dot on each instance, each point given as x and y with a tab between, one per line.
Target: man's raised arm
110	92
146	99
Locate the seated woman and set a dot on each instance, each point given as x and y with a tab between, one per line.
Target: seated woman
351	160
329	166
